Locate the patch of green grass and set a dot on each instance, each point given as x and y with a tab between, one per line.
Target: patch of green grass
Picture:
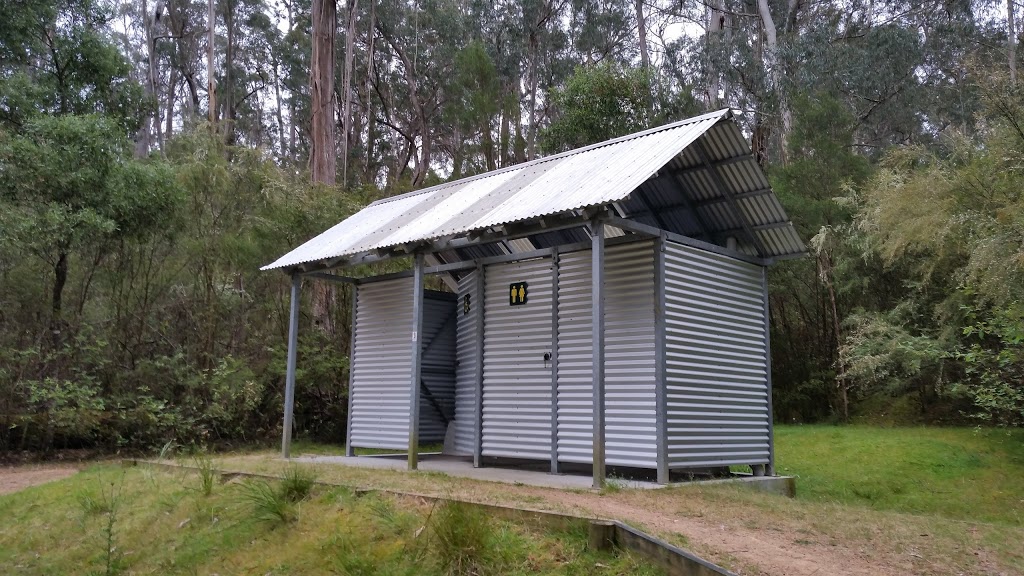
960	473
165	526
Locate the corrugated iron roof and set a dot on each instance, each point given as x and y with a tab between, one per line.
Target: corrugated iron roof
689	177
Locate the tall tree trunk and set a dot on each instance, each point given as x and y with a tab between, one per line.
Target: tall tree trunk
457	154
771	58
714	40
841	383
503	136
369	170
641	28
292	128
60	279
531	132
282	143
143	141
228	93
1011	42
211	81
323	155
487	141
346	115
172	89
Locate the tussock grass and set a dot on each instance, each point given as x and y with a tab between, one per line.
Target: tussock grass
207	473
269	503
297	483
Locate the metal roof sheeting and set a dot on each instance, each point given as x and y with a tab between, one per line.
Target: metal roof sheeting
597	175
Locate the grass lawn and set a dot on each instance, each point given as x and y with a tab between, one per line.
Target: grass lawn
112	520
870	500
956	473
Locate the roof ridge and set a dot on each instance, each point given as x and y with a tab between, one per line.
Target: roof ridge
723	113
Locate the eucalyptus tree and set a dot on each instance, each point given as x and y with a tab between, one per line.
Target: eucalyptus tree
57	57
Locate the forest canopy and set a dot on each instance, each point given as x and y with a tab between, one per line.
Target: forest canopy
155	153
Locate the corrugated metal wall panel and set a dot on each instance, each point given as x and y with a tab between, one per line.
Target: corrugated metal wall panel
517	380
381	365
437	369
465	372
716	372
630	414
575	392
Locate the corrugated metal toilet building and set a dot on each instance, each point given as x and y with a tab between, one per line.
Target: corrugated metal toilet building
607	307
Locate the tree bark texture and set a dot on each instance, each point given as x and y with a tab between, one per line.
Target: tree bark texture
1011	42
641	28
323	154
346	115
211	81
714	39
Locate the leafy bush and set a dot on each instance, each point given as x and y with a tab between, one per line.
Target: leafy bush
994	359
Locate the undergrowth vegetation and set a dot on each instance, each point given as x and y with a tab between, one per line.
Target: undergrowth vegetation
142	521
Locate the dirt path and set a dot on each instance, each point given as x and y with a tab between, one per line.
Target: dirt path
21	477
762	551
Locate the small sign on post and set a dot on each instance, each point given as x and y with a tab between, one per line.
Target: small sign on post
518	293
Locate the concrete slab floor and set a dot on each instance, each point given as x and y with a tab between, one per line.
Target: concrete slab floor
463	467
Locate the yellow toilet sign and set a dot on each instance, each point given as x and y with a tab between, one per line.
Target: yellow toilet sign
518	293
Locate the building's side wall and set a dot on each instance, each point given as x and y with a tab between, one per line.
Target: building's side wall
466	371
437	367
517	380
716	360
382	365
630	415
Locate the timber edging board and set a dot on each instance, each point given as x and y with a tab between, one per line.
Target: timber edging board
603	533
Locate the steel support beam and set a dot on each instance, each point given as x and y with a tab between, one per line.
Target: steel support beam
660	361
597	336
289	378
414	381
737	196
768	372
349	448
553	356
331	277
478	407
724	162
508	232
723	189
645	230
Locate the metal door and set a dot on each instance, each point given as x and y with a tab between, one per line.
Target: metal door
517	375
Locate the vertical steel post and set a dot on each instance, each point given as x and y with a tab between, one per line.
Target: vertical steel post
554	360
768	373
289	378
478	412
349	448
660	361
597	327
414	380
